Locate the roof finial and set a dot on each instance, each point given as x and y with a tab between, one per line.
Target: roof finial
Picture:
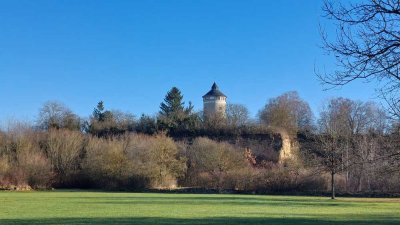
214	86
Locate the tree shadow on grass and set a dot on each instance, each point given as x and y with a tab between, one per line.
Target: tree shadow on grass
214	200
220	202
204	221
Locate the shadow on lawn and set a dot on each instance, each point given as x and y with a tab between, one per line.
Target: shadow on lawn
208	200
217	200
208	221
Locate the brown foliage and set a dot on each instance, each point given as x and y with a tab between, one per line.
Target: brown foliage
133	161
288	112
22	161
63	148
212	161
157	158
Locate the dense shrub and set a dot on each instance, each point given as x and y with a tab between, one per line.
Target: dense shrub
22	162
36	169
106	164
210	163
63	149
156	158
280	179
133	162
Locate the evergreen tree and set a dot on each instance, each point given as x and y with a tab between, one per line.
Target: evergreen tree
98	111
173	116
173	103
102	122
146	125
100	115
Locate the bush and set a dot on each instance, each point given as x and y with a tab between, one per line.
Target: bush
106	165
285	179
133	162
36	169
63	149
22	162
156	158
210	163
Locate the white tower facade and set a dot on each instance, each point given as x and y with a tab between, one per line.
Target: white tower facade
214	102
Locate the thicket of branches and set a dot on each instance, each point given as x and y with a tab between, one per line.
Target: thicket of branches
366	46
352	147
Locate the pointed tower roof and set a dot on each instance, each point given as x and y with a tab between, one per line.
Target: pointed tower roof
214	92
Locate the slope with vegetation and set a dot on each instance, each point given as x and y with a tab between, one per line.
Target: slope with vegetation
352	148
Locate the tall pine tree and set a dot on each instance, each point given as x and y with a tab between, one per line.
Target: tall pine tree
174	116
173	103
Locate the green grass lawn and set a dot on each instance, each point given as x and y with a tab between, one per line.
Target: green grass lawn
63	207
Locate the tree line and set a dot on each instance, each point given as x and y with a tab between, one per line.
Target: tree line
351	147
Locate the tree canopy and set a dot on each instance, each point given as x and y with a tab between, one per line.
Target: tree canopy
173	115
287	111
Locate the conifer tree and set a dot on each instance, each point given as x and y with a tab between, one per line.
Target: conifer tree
173	103
173	115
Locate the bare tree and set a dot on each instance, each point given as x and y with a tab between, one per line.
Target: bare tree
56	115
63	148
214	159
350	117
366	152
348	133
367	45
287	111
330	156
237	115
124	121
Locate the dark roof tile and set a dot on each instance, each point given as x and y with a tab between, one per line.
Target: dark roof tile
215	92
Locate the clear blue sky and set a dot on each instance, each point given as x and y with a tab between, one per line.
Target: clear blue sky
130	53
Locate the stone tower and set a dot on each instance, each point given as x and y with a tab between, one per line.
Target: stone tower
214	102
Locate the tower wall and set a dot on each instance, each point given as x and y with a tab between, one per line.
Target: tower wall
214	105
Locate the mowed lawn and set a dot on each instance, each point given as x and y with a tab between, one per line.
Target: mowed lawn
64	207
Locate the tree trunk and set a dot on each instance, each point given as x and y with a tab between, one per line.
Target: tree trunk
347	168
360	179
333	185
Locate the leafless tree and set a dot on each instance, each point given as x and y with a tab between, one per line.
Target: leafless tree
366	46
237	115
214	159
330	157
287	111
354	127
63	148
349	117
56	115
367	149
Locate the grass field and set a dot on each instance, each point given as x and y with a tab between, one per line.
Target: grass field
131	208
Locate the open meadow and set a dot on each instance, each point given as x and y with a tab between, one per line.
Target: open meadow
64	207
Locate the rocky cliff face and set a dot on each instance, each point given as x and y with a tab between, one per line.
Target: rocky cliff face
289	149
